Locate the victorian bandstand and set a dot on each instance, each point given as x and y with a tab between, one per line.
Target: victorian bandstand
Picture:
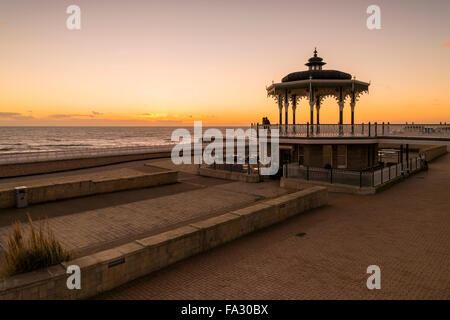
315	84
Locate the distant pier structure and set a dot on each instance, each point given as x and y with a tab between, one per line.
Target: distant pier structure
315	84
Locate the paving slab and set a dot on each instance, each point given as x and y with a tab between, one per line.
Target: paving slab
324	254
94	223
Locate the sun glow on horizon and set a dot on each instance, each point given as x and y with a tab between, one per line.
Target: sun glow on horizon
142	63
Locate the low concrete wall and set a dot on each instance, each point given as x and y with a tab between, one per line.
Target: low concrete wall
433	152
73	189
25	169
110	268
296	184
228	175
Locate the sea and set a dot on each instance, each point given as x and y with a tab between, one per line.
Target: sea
44	139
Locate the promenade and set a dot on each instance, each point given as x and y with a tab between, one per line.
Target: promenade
93	223
405	230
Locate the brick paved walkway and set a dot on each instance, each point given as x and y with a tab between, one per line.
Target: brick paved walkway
405	230
98	222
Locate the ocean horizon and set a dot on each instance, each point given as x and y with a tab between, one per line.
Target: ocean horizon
43	139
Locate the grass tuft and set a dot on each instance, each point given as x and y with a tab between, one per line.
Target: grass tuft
27	252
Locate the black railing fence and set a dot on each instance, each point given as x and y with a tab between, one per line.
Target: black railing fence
363	178
250	169
361	130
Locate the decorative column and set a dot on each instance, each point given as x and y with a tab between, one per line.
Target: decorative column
286	108
311	109
341	110
352	106
341	116
294	106
280	108
311	104
317	111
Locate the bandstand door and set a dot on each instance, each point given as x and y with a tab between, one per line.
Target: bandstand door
327	156
342	156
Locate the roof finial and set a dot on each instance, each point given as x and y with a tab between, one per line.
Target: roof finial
315	51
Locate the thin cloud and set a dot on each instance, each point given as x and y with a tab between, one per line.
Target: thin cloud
168	122
69	116
9	114
446	44
155	115
60	116
14	116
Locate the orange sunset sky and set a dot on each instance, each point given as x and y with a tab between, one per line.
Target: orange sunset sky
173	62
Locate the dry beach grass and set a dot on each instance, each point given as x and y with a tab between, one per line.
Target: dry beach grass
32	250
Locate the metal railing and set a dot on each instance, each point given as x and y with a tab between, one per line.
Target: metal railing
249	169
363	178
361	130
26	157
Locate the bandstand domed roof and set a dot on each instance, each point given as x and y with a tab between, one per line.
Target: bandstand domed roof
315	71
317	74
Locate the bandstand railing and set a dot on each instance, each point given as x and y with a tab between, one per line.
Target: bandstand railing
361	130
362	179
